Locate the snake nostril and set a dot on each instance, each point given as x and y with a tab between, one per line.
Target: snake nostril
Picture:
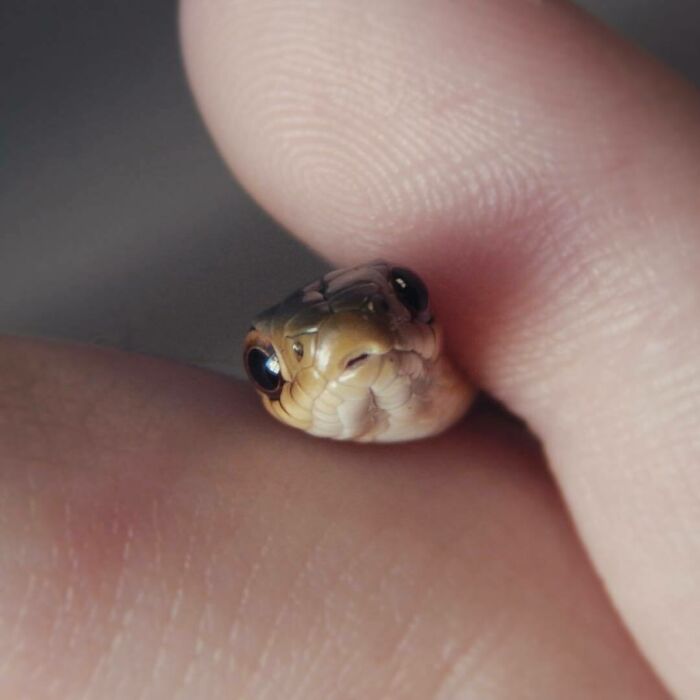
354	361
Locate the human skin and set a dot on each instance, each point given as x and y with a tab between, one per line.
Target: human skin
163	538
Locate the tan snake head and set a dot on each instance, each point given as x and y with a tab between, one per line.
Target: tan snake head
356	355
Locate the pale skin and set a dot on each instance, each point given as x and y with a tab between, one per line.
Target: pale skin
162	537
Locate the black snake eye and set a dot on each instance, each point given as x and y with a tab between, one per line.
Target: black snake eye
263	368
410	290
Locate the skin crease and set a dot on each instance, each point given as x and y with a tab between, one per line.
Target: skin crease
163	538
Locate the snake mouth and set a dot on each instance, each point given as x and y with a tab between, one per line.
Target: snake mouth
354	361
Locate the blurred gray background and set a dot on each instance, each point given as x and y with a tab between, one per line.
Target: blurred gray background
119	224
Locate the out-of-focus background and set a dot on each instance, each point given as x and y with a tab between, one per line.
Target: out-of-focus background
119	224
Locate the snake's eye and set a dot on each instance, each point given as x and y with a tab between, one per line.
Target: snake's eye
410	290
263	367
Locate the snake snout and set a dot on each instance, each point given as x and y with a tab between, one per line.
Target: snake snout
347	339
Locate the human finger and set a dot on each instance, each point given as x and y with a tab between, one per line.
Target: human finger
542	174
162	538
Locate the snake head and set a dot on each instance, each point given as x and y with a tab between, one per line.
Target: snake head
353	355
